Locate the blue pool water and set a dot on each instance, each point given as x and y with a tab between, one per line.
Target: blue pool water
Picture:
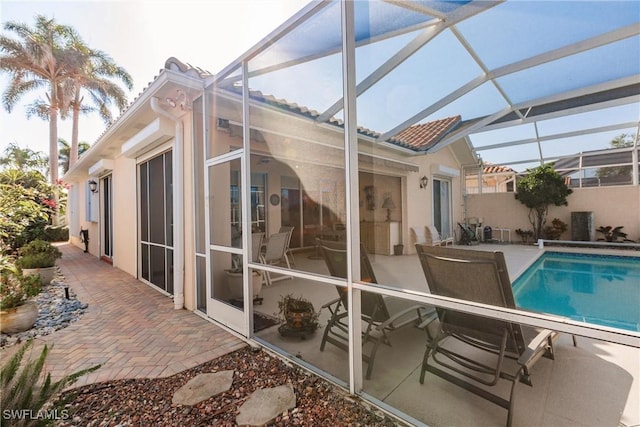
599	289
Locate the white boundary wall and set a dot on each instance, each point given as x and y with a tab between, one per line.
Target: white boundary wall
612	206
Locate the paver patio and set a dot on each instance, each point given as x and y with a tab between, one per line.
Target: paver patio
131	329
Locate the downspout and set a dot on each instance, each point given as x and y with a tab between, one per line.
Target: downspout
178	205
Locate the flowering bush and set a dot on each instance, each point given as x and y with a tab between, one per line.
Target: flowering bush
14	287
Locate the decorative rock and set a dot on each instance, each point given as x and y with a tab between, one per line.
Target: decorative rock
264	405
203	387
55	312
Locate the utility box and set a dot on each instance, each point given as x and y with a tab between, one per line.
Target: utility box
583	226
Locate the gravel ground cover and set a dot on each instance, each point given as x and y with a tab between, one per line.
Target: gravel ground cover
146	402
58	306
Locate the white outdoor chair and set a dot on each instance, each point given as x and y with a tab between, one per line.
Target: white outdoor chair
274	254
434	239
256	246
287	253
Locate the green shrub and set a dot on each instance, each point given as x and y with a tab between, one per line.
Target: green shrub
15	288
555	230
25	392
38	254
55	234
613	234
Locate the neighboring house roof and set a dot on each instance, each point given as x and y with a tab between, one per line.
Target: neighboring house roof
489	168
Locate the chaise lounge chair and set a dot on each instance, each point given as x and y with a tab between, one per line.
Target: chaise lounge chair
379	319
472	351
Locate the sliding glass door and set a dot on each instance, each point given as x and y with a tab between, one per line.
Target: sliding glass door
107	218
442	206
156	221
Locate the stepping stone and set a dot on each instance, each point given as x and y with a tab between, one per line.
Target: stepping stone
264	405
203	387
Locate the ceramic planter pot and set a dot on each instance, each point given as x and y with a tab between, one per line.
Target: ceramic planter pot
46	274
18	319
300	319
234	281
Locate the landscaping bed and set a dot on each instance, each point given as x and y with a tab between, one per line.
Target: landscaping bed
149	401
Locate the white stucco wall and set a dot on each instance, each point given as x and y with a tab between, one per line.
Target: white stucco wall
612	206
125	207
419	206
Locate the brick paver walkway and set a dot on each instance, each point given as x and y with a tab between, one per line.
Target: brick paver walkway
131	329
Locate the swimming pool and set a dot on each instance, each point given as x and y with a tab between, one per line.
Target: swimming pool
599	289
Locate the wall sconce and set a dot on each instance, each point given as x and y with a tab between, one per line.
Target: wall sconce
423	182
179	100
93	186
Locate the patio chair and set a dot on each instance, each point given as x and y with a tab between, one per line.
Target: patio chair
379	319
467	235
287	253
274	254
433	237
472	351
419	235
256	246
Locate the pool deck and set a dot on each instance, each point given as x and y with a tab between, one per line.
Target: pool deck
134	332
596	383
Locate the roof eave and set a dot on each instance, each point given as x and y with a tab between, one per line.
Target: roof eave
165	78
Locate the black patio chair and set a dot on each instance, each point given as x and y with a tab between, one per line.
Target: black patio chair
469	350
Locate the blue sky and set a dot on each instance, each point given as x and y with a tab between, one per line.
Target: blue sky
140	35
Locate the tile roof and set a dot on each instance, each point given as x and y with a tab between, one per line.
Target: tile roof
489	168
423	136
417	137
177	65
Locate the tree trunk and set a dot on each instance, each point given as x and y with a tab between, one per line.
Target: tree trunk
538	218
53	151
73	152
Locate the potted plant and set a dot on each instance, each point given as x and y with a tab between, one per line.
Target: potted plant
17	313
613	234
555	230
298	316
525	235
38	258
234	282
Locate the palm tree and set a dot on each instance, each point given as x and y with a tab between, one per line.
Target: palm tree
64	153
38	58
92	74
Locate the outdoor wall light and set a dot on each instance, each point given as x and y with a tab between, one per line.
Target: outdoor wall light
171	102
93	186
179	100
423	182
